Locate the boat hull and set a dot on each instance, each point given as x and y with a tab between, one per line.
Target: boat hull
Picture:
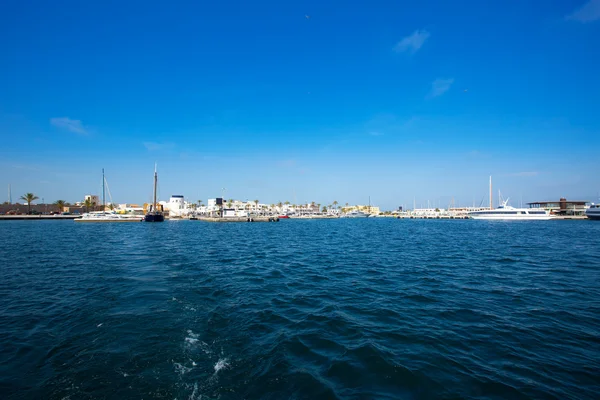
154	218
593	216
96	220
514	218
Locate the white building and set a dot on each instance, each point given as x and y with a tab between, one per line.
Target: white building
177	206
94	199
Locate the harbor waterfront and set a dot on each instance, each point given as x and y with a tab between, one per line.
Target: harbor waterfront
345	308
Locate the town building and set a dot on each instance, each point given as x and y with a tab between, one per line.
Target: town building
562	206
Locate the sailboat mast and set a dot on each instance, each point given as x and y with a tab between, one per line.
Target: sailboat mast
491	204
155	181
103	198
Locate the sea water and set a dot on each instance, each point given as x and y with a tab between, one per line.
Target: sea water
304	309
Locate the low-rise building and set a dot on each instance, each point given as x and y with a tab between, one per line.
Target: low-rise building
562	206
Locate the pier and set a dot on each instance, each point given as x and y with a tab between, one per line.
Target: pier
37	217
238	219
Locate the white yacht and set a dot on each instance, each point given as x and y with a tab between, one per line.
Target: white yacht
356	214
506	212
108	216
593	212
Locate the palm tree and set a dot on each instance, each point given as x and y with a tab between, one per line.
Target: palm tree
29	197
287	203
229	203
324	209
87	204
60	204
256	202
335	203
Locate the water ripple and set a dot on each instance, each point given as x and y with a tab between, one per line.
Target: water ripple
300	309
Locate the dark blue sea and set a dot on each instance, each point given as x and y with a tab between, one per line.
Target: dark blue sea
300	309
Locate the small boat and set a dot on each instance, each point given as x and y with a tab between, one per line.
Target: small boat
153	214
284	216
593	212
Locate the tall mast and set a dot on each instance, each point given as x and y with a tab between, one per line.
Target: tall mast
9	195
155	181
491	204
103	198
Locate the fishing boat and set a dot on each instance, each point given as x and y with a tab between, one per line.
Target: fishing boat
107	216
154	215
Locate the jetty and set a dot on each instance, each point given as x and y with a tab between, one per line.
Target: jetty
37	217
239	219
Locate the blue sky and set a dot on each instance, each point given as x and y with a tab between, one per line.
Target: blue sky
311	101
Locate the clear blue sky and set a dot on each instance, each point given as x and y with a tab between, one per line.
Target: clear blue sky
301	101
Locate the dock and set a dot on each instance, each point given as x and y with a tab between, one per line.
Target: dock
238	219
432	217
37	217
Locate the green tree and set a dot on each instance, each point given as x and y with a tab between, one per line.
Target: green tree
256	202
28	198
335	203
87	204
324	209
60	204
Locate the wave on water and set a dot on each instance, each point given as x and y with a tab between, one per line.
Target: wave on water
353	309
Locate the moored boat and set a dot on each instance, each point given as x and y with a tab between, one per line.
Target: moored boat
107	216
593	212
154	215
506	212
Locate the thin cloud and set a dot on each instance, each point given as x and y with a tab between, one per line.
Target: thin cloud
71	125
440	86
27	167
289	163
154	146
525	174
412	43
589	12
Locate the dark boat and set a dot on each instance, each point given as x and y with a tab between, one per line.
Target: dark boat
153	214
